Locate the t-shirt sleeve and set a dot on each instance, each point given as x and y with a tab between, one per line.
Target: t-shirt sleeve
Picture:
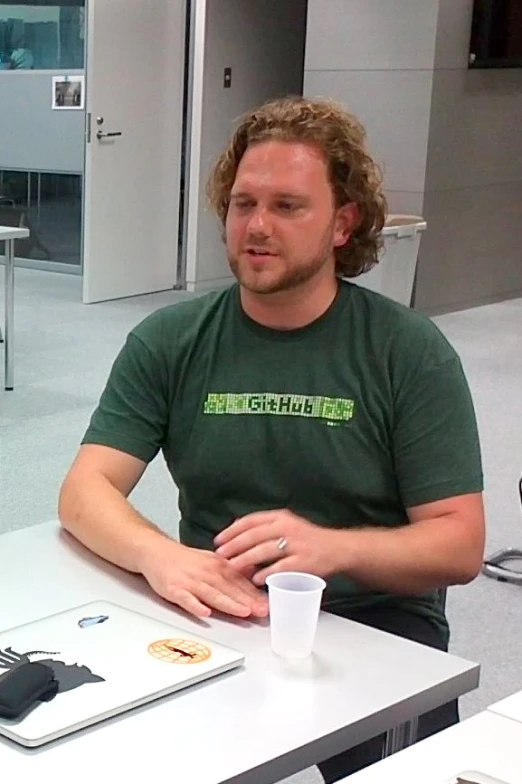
435	437
132	414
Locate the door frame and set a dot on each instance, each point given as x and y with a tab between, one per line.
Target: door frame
196	12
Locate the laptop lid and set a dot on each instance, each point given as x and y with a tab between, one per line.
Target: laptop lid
107	659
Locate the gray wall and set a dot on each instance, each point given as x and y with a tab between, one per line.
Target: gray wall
472	251
33	136
263	42
377	58
448	138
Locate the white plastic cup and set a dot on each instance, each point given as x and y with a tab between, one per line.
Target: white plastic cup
294	600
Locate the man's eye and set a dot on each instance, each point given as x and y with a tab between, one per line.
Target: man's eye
243	204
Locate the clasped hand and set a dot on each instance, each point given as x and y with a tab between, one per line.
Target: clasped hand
278	541
229	579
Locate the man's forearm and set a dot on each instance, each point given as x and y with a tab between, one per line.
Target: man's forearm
408	560
100	517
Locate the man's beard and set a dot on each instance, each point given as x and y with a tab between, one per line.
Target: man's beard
287	279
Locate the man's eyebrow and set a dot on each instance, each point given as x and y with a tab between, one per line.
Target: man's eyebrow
292	196
280	195
241	195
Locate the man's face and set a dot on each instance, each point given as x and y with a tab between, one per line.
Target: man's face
282	226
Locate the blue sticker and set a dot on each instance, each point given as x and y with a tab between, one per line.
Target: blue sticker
86	622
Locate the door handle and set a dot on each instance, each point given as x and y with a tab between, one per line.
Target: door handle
101	135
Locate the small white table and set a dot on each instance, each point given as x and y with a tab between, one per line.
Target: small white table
255	725
510	707
486	743
8	235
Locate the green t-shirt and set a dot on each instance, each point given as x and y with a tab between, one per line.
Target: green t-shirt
347	421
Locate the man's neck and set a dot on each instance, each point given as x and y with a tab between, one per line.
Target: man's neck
291	309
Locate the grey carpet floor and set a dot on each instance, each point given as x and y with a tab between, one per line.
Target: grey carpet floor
64	351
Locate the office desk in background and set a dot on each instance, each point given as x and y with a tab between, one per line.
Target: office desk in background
8	235
487	744
510	708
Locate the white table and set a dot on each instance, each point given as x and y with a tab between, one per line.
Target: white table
9	234
486	743
510	707
257	724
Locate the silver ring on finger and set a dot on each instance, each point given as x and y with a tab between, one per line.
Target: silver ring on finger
282	544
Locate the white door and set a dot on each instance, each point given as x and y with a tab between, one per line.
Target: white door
134	87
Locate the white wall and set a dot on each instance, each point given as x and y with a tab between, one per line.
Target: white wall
26	97
377	57
263	42
473	192
448	137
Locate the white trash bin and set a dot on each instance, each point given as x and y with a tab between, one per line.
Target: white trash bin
394	275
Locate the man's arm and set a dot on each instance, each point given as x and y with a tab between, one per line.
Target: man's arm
93	506
443	545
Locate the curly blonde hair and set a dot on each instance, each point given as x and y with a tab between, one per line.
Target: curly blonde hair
353	174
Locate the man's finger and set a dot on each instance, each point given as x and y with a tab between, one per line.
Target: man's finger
243	524
247	540
289	564
221	600
189	603
263	553
243	591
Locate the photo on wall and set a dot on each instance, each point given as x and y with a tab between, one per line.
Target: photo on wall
68	92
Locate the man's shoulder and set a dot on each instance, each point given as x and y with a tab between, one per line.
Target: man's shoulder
385	310
398	329
181	318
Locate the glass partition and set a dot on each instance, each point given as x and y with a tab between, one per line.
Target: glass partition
50	205
40	36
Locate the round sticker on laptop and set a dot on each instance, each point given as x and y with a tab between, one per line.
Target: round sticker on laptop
179	651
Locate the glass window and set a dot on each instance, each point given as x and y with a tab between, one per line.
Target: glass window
50	205
41	36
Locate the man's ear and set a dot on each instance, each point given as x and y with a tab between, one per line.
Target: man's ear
347	220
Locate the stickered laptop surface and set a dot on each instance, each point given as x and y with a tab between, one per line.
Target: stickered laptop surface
106	659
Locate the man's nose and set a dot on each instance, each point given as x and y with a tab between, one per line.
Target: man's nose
260	223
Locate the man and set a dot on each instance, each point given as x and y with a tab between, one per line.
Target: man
309	424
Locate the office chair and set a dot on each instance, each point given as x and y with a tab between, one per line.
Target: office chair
494	566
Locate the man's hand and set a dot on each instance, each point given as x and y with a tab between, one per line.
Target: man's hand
199	581
256	540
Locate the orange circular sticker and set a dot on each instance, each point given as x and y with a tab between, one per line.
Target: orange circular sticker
179	651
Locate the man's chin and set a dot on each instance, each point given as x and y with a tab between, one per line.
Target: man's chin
271	281
261	287
257	283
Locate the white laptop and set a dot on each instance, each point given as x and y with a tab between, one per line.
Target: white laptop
107	659
473	777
